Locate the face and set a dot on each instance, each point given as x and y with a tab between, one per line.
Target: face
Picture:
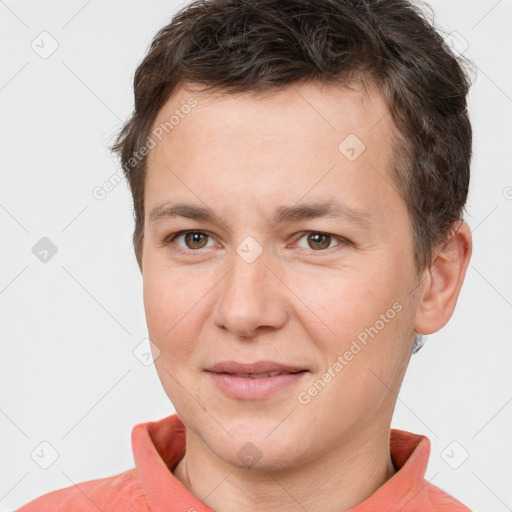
326	293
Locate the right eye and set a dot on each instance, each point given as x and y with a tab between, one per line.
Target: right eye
193	240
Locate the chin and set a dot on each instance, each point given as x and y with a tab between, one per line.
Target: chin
257	450
260	458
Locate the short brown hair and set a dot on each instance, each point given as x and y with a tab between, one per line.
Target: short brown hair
236	46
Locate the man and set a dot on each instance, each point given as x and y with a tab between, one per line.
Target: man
299	171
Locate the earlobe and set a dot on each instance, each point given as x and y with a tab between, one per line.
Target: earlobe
443	281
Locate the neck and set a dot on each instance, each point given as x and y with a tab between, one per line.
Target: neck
333	482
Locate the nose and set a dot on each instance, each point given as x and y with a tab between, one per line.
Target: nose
251	298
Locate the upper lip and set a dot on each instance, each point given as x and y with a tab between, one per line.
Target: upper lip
258	367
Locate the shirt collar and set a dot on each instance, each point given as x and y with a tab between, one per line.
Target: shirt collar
158	446
410	453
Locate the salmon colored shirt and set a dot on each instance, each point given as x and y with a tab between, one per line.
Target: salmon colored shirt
158	446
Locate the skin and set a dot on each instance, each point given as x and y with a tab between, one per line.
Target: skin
302	301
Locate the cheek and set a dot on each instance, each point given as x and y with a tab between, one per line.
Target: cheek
370	320
363	363
169	295
343	304
175	333
166	312
177	306
159	306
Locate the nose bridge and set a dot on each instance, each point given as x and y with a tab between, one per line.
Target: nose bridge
250	295
248	279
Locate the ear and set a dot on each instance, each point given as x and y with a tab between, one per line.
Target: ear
442	282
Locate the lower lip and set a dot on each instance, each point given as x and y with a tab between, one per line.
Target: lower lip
246	388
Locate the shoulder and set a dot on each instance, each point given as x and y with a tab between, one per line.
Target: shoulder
111	494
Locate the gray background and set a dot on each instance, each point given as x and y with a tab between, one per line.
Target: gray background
69	326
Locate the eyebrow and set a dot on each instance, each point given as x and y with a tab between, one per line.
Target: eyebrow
332	209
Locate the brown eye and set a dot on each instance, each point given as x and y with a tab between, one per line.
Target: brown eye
195	239
316	241
319	240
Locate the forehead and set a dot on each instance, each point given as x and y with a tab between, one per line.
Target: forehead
306	139
316	113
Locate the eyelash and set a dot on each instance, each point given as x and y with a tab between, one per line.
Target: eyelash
170	239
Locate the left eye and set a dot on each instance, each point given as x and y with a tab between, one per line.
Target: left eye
319	241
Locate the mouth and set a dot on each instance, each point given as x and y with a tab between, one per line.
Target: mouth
259	375
255	386
258	368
